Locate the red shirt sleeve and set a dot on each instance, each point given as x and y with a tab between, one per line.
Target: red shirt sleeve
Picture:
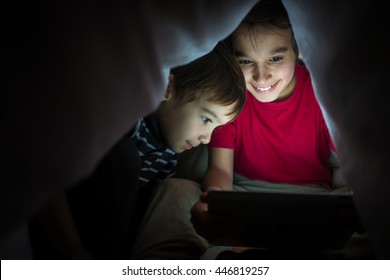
224	136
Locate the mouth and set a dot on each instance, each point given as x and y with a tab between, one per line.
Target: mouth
266	89
188	145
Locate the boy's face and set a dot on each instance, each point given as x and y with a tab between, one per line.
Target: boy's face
267	60
187	125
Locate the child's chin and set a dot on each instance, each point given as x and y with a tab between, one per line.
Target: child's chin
178	150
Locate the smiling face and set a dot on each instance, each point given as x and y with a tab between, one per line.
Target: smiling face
267	59
185	126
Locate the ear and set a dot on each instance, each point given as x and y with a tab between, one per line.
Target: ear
300	58
170	92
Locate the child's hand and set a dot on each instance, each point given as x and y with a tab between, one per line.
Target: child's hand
211	226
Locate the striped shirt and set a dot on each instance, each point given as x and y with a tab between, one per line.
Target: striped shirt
157	160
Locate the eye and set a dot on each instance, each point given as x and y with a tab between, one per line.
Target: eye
244	61
276	58
206	120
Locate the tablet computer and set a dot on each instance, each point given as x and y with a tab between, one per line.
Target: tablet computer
280	220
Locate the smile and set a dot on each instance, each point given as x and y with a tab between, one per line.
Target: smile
266	89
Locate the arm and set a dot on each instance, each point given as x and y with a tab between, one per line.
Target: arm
219	174
57	222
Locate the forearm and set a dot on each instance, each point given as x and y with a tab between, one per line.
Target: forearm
217	179
219	174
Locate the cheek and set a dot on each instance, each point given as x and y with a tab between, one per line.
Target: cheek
189	131
247	74
185	128
286	73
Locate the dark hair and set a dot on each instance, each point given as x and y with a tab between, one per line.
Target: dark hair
270	14
215	77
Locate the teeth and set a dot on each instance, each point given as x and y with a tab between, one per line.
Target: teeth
264	89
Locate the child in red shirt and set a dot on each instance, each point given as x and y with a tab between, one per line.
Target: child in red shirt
283	141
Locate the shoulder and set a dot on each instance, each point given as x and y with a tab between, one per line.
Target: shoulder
303	79
302	73
143	127
135	129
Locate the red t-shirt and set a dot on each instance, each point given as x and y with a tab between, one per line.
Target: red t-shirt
284	142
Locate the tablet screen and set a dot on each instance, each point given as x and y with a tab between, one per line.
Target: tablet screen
304	220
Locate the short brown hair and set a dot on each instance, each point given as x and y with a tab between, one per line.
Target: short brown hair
215	77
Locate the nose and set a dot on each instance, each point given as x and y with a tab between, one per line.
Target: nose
261	73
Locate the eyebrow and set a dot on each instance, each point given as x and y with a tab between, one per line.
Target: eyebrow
240	54
272	52
211	113
279	50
